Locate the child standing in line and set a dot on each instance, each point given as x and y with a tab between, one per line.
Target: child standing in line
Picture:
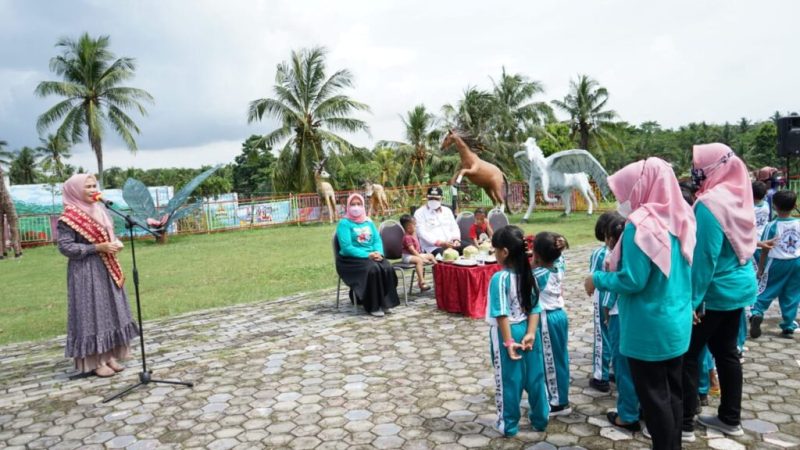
601	356
412	252
781	276
627	414
549	273
763	213
480	231
516	350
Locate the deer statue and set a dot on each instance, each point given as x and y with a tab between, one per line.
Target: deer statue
376	197
324	189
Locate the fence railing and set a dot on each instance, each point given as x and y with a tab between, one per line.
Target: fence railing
228	212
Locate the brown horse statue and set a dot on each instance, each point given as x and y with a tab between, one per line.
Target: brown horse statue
478	171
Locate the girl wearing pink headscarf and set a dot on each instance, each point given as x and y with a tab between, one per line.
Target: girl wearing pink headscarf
650	271
99	325
723	279
360	264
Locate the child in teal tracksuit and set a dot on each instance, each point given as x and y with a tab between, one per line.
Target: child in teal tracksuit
780	276
763	212
515	344
549	272
601	357
627	414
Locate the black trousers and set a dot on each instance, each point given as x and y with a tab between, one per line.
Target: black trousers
658	385
719	330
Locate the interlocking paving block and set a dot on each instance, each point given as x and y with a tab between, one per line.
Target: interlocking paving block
759	426
725	444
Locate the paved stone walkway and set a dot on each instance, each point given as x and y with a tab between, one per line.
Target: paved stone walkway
298	373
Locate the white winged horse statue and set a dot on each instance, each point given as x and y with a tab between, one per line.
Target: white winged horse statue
560	174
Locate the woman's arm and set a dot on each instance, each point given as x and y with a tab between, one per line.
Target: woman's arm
706	253
69	247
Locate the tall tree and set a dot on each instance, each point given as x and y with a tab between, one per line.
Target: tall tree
252	170
311	109
94	98
585	105
516	115
23	167
52	153
473	113
419	147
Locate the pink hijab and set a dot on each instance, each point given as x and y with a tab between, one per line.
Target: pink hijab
72	194
658	211
728	194
363	217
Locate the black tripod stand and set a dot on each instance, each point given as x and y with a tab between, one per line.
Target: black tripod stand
144	375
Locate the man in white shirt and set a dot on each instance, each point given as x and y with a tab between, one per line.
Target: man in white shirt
436	226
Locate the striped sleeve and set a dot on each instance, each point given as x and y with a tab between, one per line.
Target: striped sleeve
498	295
769	231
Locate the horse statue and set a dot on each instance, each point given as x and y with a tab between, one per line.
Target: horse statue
560	174
478	171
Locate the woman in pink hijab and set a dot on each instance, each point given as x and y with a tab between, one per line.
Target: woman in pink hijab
99	325
723	280
650	272
361	265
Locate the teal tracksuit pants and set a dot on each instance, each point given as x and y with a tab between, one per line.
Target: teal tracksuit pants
513	376
555	330
601	357
705	363
781	279
627	400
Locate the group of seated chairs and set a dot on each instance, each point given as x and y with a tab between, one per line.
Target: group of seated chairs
392	235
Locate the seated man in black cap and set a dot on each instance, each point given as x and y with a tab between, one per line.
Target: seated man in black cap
436	225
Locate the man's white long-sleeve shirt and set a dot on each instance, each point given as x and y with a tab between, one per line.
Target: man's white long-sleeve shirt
435	225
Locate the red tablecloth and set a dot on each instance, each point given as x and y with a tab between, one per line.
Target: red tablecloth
462	289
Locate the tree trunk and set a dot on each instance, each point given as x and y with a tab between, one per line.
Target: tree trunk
98	153
584	138
7	208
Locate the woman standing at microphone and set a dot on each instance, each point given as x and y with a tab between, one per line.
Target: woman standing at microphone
99	325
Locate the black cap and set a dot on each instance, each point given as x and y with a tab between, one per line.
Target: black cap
435	191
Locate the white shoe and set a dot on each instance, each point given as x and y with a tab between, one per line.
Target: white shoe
387	311
688	436
377	313
646	433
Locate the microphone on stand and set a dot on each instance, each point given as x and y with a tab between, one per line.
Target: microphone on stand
98	197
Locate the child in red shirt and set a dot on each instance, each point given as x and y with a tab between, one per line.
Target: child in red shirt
480	227
412	252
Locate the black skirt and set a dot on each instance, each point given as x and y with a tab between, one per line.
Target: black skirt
374	283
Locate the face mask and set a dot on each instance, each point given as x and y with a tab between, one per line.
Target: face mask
356	211
434	204
624	209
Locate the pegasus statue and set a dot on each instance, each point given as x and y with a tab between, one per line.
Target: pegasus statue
560	174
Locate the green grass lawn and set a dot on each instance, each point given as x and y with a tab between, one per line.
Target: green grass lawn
202	271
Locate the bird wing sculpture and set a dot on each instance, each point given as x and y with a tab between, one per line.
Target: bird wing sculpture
576	161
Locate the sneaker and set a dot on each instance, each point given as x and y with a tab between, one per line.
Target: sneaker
387	311
688	436
646	433
377	313
562	410
599	385
787	333
713	422
755	326
613	417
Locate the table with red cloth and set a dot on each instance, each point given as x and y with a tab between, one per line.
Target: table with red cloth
463	289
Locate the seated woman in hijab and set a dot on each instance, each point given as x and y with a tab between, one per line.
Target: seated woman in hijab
361	265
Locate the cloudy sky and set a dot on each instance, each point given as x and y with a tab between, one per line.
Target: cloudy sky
204	61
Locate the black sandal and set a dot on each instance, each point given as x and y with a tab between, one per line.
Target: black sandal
612	417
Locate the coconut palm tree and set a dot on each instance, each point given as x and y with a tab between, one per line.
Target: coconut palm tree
585	105
23	167
473	113
94	98
419	147
311	109
52	153
515	114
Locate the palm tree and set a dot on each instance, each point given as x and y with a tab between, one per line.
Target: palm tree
53	151
421	137
23	167
94	99
311	109
516	115
584	104
473	113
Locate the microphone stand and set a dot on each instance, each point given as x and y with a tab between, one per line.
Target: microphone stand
145	376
